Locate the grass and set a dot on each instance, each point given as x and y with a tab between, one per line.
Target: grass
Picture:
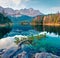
38	37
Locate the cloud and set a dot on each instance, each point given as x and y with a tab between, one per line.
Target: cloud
13	3
51	10
55	9
26	0
17	1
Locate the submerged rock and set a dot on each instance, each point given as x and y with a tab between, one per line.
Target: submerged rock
22	55
45	55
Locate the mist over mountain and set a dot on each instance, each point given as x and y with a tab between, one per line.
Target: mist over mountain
11	12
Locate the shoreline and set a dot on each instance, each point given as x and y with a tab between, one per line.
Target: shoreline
48	24
51	24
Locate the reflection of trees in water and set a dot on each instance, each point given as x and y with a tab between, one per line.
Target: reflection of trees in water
38	27
54	29
4	31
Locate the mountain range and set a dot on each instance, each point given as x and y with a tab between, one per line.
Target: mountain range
17	13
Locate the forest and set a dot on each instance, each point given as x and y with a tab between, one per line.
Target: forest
50	19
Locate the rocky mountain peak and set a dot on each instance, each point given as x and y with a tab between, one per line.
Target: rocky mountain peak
11	12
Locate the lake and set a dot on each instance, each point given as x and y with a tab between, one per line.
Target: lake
50	44
28	30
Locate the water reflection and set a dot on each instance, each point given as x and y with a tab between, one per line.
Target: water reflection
50	29
4	31
28	29
38	28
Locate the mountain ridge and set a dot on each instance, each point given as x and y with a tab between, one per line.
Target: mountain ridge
11	12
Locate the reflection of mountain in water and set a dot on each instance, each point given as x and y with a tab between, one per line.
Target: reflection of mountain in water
28	29
21	30
51	29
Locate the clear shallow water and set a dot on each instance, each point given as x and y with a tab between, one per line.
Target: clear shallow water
49	44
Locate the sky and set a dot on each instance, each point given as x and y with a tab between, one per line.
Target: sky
44	6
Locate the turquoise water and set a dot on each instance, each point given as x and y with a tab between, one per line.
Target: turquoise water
48	44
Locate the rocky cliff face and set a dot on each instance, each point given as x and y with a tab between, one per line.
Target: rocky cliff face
29	12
